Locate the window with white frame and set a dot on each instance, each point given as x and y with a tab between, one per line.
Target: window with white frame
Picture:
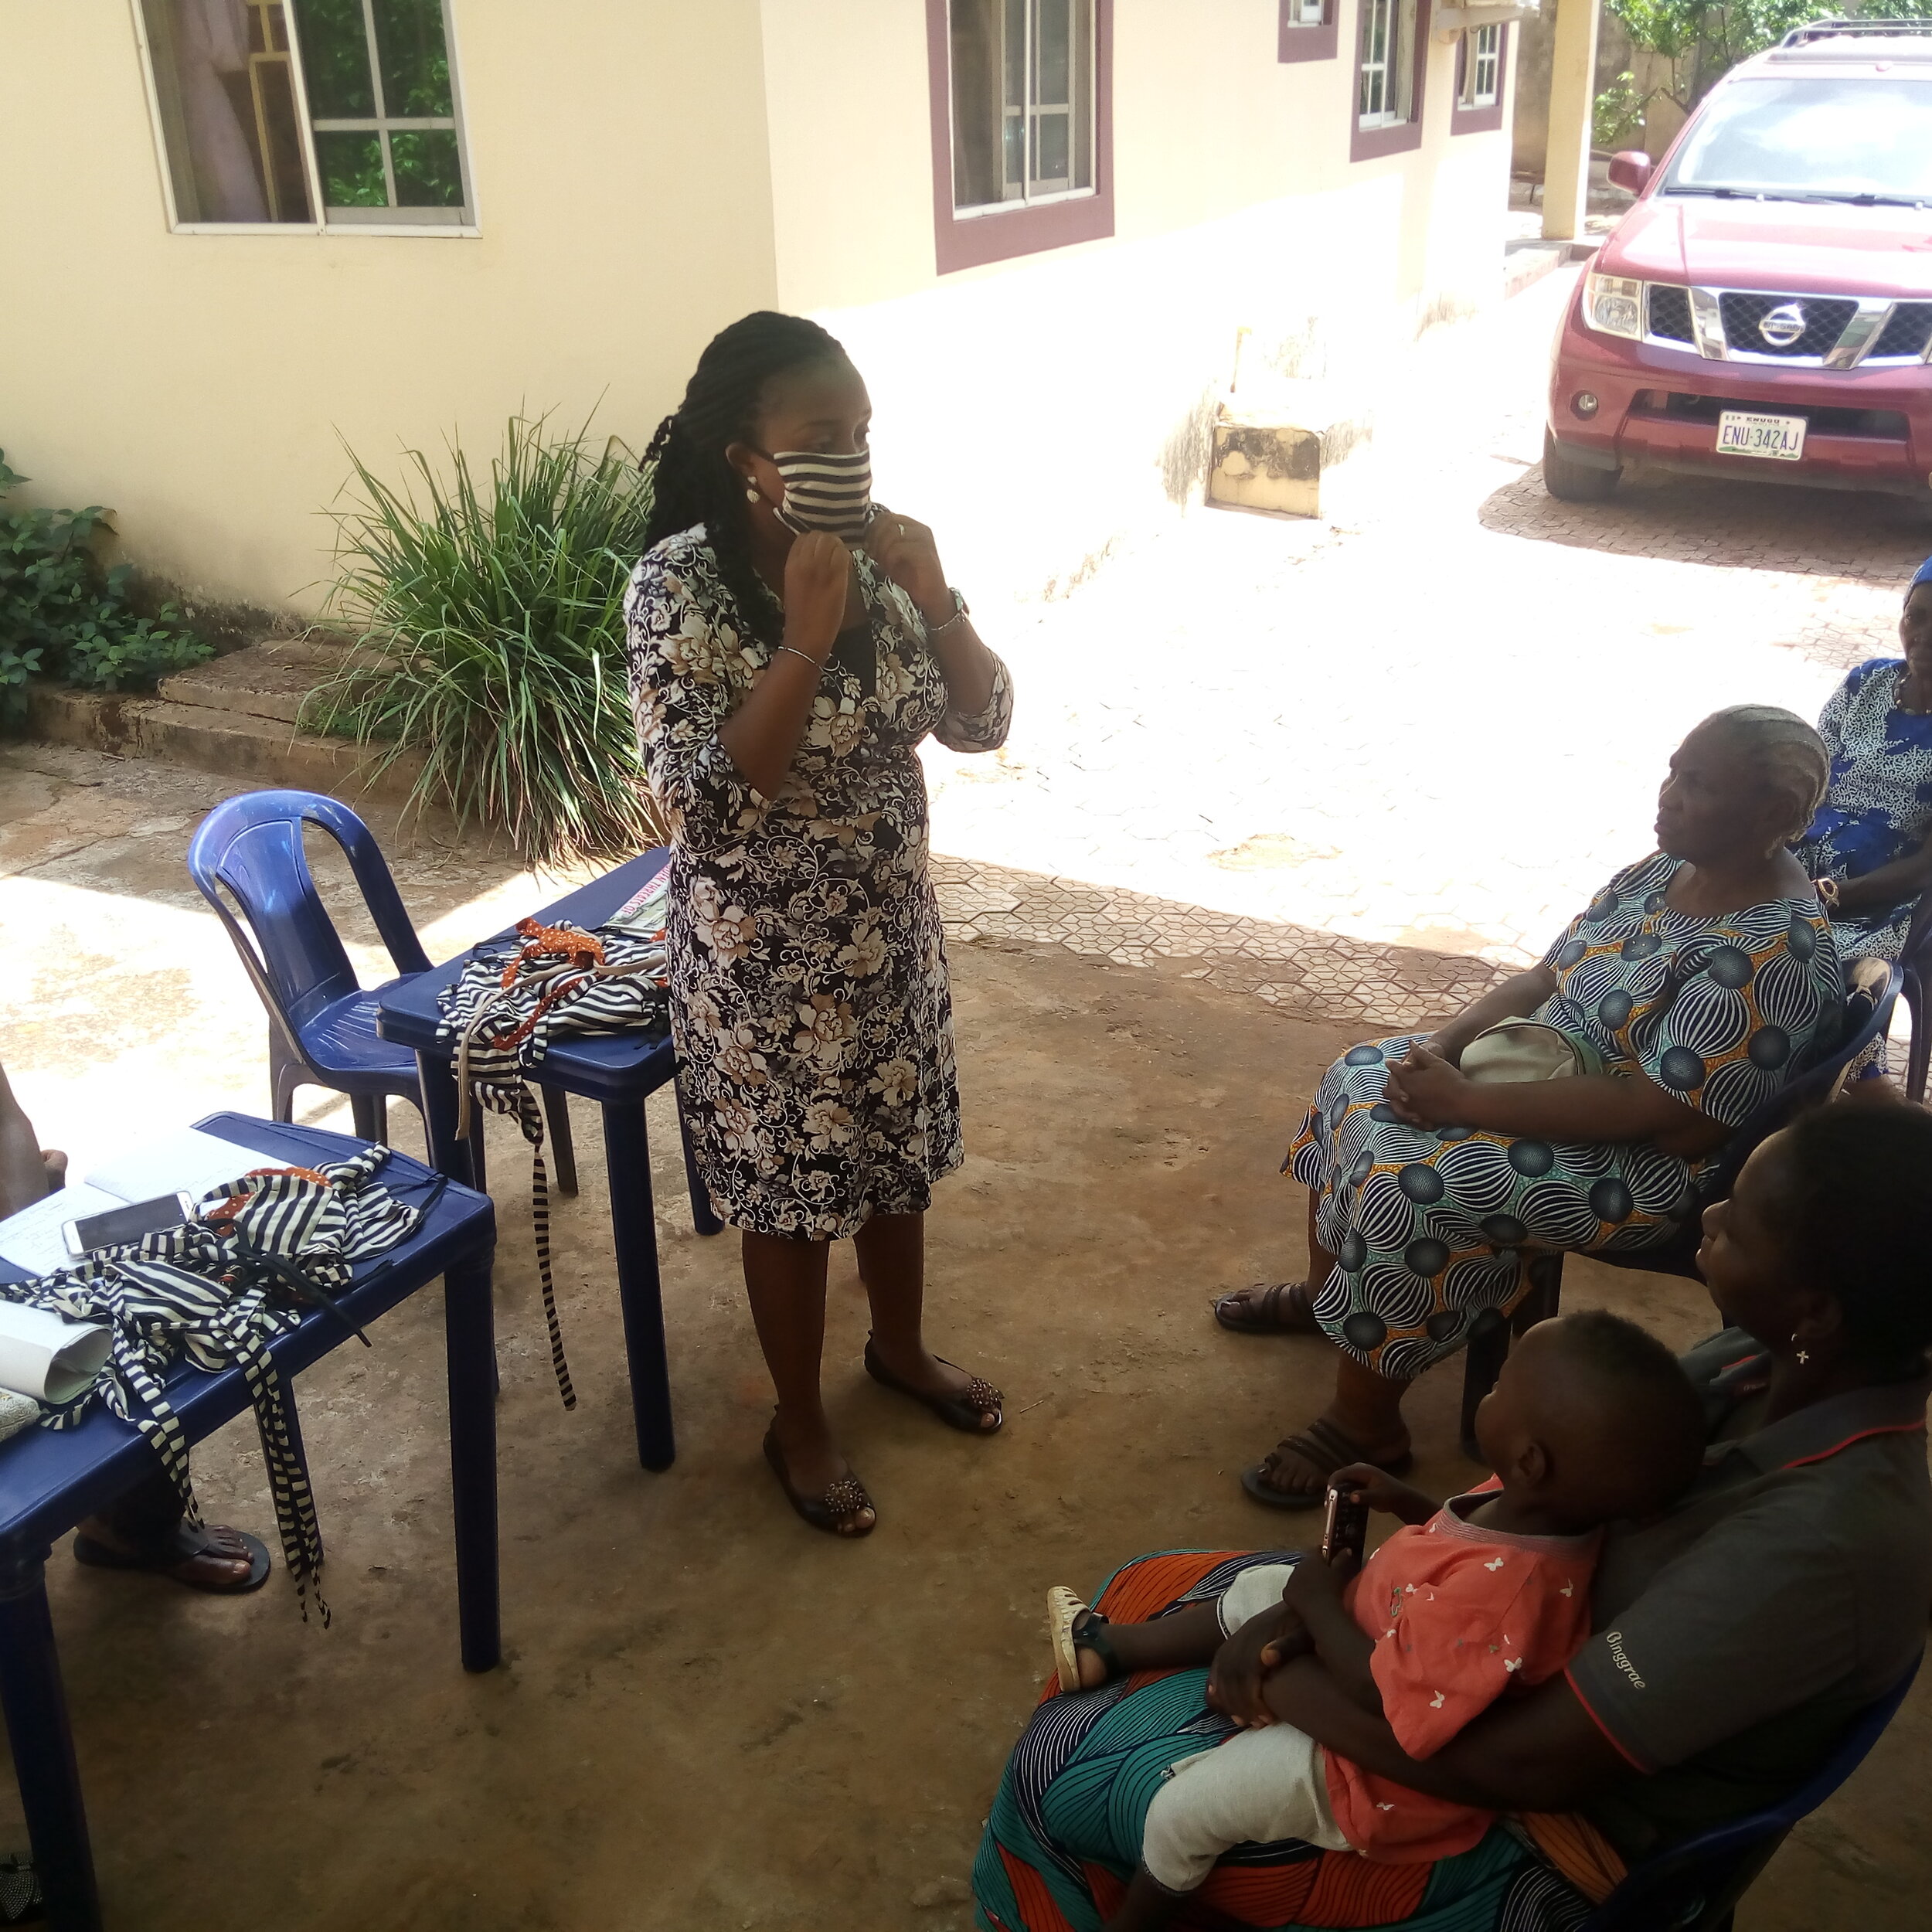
1482	66
1309	13
331	113
1022	101
1388	62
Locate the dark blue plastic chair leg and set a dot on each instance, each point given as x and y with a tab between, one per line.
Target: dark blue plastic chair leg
556	1114
701	1217
36	1713
469	1340
369	1114
633	1230
447	1154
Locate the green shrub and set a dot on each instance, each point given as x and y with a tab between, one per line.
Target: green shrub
488	623
61	616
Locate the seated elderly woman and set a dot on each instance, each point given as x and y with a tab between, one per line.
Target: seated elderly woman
1697	980
1736	1636
1870	846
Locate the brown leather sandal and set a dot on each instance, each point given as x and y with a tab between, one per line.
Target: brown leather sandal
1325	1449
965	1412
1261	1313
843	1497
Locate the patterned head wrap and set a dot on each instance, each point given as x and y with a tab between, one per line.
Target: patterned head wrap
1922	575
1790	756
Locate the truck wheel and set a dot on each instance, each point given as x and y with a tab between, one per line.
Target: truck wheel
1570	482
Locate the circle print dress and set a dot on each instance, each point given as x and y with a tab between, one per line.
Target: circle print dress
1428	1225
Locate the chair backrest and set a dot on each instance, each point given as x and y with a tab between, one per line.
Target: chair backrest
1694	1882
1873	991
252	846
1915	957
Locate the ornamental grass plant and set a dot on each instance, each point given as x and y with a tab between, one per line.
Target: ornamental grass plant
487	619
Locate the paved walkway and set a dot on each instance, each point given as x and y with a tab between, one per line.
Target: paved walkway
1328	763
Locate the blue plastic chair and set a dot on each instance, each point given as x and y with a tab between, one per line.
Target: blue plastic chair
1694	1886
1874	991
322	1023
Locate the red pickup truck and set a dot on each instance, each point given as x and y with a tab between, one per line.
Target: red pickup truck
1765	309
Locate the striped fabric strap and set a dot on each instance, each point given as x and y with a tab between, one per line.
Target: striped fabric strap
215	1292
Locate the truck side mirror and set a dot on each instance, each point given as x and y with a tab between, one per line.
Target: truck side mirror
1631	170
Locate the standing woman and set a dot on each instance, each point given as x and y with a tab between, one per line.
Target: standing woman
790	644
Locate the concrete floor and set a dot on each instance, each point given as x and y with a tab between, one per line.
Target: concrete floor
709	1717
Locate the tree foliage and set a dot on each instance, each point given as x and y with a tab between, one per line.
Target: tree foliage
1702	40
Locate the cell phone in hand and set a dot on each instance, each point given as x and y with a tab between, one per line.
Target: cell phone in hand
1345	1525
118	1227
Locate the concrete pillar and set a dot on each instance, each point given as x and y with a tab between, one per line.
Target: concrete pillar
1572	94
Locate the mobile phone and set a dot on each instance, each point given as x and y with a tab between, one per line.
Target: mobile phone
120	1225
1345	1524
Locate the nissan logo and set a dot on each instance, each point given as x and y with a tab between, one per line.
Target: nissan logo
1784	325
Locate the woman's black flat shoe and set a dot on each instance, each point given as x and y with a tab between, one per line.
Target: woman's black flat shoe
965	1412
845	1497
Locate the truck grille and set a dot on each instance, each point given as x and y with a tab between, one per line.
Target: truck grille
1670	313
1825	317
1905	333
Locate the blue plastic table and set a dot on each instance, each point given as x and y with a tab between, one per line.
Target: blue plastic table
617	1073
50	1480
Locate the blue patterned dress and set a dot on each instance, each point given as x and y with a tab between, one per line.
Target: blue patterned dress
1878	806
1428	1225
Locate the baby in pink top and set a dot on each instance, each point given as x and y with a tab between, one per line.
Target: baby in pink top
1591	1420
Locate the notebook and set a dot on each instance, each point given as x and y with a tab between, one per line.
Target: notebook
188	1162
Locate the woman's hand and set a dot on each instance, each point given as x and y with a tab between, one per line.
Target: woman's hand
1425	1090
905	552
1265	1641
818	572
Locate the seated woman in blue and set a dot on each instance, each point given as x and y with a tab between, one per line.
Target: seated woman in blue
1870	846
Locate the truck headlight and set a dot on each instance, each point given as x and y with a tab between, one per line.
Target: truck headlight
1613	305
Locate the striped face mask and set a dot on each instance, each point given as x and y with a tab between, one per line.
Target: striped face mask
829	493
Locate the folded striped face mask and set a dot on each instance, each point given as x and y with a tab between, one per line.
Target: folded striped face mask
829	493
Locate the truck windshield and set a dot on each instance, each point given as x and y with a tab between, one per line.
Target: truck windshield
1821	138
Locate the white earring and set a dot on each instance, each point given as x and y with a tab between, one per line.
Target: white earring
751	493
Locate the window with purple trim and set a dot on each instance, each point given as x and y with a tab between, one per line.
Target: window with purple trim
1022	101
1482	66
1022	126
1307	30
1392	63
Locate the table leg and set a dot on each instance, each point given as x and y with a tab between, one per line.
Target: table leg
447	1154
634	1230
470	1338
43	1759
701	1217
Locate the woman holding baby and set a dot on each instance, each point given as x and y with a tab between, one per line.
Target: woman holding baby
1732	1635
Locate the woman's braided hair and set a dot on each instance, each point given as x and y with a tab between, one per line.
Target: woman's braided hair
1790	756
1854	1210
692	482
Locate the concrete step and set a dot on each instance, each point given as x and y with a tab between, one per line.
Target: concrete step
234	744
270	679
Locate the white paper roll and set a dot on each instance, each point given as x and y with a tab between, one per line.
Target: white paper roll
43	1356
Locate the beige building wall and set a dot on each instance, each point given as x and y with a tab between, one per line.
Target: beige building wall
644	171
203	385
1036	410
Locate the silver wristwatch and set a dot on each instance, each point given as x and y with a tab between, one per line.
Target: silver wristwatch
961	609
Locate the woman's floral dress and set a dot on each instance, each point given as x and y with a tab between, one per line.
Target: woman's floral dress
809	998
1878	806
1428	1225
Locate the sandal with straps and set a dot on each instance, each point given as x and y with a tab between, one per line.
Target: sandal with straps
1261	1313
1072	1628
964	1412
845	1496
1325	1449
